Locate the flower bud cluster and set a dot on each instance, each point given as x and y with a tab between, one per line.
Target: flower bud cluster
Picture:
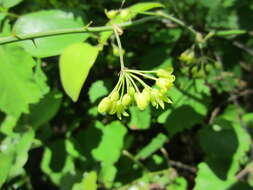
123	14
131	89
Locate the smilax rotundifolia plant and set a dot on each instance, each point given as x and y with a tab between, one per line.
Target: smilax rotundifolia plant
131	87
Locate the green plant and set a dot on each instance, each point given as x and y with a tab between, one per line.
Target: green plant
121	58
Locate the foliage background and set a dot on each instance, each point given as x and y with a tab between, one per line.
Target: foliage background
203	141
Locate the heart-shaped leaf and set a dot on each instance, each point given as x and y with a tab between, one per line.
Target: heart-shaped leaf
75	63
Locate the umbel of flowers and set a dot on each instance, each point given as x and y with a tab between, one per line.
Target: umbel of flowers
132	89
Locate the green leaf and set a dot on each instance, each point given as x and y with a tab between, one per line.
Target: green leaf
17	84
49	20
225	152
179	183
207	180
108	174
14	154
75	64
41	79
44	111
89	182
97	90
109	149
139	119
56	163
24	143
225	158
9	3
6	160
113	137
8	124
142	7
156	143
191	92
190	105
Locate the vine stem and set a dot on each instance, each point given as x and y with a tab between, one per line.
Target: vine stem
15	38
85	29
115	29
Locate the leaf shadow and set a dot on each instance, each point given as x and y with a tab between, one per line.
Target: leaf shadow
220	147
85	141
59	155
182	118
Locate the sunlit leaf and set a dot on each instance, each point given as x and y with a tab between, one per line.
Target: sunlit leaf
49	20
75	64
17	84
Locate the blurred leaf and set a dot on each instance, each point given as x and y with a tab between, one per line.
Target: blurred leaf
141	8
166	36
14	154
50	20
22	145
45	110
155	144
75	64
113	137
6	160
191	92
190	105
8	124
109	149
9	3
56	163
179	183
139	119
21	90
207	180
108	174
41	79
88	183
97	90
225	152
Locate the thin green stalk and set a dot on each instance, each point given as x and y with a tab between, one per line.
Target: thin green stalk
230	32
133	83
120	47
136	161
144	75
140	81
123	87
143	71
177	21
31	36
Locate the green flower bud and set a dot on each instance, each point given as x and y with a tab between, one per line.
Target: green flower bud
194	70
116	51
187	56
119	109
141	100
164	73
131	91
104	105
111	14
154	96
146	94
124	14
126	100
164	97
163	83
114	96
217	65
171	78
113	108
208	68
